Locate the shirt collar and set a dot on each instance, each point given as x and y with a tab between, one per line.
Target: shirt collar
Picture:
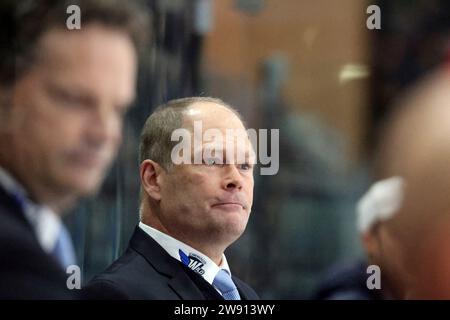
44	221
10	185
187	255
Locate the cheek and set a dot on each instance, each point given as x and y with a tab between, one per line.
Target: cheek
38	118
388	248
116	137
196	180
193	187
105	132
29	129
433	263
249	188
54	132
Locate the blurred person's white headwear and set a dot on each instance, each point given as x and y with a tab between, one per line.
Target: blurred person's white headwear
379	203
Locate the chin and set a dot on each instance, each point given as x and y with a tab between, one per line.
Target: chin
235	228
85	185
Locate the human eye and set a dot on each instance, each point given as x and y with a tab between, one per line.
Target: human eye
68	98
246	166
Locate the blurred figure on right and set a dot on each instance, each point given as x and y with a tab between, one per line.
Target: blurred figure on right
404	219
416	146
349	281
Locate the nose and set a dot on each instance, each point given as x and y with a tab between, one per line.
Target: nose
232	178
105	125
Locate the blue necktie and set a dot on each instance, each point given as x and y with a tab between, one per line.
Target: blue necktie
226	286
63	250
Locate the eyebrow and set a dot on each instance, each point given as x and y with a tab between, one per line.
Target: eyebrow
248	154
63	91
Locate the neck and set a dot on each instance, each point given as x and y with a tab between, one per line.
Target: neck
208	247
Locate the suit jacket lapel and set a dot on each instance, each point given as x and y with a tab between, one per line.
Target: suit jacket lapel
162	262
245	293
12	209
242	292
184	286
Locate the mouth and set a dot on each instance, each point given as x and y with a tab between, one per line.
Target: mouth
88	161
229	206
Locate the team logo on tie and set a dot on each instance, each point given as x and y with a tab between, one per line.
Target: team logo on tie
193	261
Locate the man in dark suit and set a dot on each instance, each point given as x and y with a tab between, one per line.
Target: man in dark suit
196	198
63	94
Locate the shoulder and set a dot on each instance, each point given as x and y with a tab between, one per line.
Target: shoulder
129	277
26	271
102	289
17	240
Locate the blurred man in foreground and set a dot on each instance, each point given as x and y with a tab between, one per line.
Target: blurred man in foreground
63	96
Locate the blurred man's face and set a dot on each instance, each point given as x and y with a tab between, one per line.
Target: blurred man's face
432	261
67	110
210	202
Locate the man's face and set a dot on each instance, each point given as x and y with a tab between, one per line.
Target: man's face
210	202
432	261
66	113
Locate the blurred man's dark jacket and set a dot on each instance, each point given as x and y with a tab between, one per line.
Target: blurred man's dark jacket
26	270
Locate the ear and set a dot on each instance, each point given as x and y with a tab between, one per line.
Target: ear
371	245
150	172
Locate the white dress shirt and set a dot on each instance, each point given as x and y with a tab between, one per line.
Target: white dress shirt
44	221
192	258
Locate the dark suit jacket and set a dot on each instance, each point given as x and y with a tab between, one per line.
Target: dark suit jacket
26	270
147	271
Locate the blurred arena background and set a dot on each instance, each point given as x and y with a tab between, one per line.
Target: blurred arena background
309	68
